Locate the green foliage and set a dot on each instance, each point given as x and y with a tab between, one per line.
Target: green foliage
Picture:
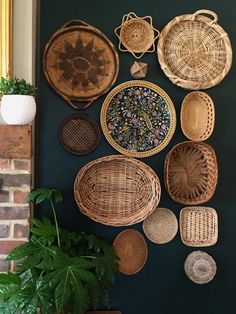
15	86
67	278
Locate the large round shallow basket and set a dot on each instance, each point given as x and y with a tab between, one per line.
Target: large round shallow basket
117	190
200	267
161	226
138	118
131	248
194	51
79	133
191	173
198	226
197	116
80	63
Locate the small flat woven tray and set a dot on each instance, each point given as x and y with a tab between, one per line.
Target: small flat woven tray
194	51
197	116
200	267
161	226
191	173
131	248
138	118
79	133
198	226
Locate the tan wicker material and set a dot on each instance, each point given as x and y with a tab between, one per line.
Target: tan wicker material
191	173
159	128
136	35
138	70
197	116
194	51
200	267
198	226
131	248
161	226
117	190
80	63
79	133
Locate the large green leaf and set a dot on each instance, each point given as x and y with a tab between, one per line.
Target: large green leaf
44	229
41	194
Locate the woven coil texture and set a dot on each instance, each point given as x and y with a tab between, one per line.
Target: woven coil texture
117	190
161	226
197	116
200	267
194	51
79	134
198	226
131	248
191	173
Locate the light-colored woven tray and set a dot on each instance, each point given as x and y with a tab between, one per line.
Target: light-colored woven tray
200	267
161	226
131	248
191	173
117	190
194	51
198	226
197	116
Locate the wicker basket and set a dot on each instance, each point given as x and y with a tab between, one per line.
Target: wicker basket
79	134
198	226
197	116
194	51
191	173
200	267
117	190
131	248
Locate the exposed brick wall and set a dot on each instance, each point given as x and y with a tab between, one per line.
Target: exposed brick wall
15	184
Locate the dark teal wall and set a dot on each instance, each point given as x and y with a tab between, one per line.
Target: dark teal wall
162	287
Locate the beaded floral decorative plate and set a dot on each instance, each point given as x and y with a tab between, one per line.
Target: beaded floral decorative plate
138	118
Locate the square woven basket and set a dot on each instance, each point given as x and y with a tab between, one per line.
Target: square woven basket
198	226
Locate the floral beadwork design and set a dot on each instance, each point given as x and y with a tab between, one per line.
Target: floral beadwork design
138	119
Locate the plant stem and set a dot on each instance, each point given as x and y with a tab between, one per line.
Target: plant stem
88	256
56	224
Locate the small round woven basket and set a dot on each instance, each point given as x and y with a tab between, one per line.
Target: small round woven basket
191	173
79	133
161	226
117	190
194	51
198	226
200	267
131	248
197	116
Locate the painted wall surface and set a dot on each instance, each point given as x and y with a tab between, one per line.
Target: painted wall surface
162	286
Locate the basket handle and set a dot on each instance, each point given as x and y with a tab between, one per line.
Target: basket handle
207	12
80	105
74	23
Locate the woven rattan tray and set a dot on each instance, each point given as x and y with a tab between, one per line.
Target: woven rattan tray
138	118
191	173
131	248
194	51
197	116
136	35
198	226
80	63
79	133
117	190
161	226
200	267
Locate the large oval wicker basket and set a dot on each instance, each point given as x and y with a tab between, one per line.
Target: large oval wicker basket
117	190
194	51
191	173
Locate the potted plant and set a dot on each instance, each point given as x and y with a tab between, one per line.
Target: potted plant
18	104
58	271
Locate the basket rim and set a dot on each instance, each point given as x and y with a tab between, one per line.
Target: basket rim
159	91
193	84
185	103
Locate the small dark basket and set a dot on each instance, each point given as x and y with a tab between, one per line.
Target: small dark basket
79	134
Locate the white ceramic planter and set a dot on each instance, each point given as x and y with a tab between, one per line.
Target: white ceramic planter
18	109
